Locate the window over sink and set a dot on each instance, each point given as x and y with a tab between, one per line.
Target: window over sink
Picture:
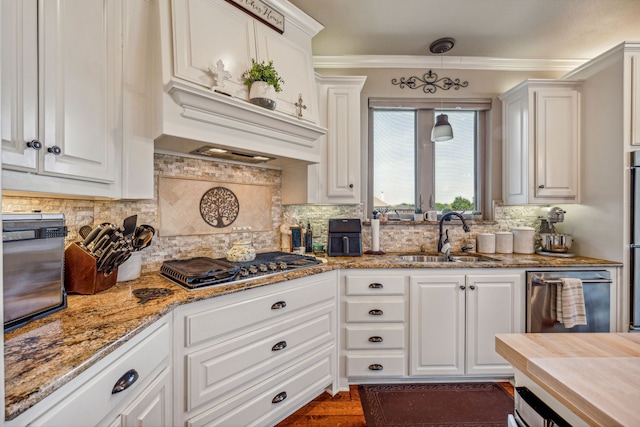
408	171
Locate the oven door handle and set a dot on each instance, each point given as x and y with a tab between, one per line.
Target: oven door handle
542	282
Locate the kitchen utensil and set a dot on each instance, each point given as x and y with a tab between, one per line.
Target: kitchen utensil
145	294
84	231
129	225
142	237
554	242
92	236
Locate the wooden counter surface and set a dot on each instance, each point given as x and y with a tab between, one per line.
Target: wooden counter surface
595	375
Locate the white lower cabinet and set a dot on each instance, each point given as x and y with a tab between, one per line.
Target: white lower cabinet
454	320
374	314
254	357
89	399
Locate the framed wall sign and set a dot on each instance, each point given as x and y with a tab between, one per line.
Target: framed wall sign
262	12
296	238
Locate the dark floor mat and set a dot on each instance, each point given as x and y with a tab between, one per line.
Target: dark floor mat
429	405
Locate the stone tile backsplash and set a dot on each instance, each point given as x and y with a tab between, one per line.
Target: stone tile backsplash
393	237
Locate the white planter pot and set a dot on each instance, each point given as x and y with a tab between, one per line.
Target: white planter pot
263	94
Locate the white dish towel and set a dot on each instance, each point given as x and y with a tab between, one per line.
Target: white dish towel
570	308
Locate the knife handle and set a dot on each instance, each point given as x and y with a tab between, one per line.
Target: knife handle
92	235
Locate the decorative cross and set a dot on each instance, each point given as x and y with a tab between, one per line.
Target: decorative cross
300	106
219	74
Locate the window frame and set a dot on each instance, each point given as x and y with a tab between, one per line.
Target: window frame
425	119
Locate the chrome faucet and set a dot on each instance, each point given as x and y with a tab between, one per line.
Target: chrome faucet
443	245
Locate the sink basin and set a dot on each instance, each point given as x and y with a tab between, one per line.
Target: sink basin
440	258
423	258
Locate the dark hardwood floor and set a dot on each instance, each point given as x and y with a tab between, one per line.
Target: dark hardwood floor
342	410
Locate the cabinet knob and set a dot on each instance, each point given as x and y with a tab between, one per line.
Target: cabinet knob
279	397
472	287
375	312
279	346
35	144
350	185
278	305
541	186
375	285
375	367
462	287
125	381
375	339
55	150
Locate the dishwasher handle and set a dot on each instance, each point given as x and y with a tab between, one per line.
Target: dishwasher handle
542	282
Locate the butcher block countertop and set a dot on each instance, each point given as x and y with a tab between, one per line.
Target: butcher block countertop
47	353
595	375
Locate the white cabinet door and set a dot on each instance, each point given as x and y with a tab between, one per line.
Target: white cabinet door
152	408
19	84
541	137
437	325
492	308
80	72
206	32
556	144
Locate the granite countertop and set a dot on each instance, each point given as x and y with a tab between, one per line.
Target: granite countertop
595	375
47	353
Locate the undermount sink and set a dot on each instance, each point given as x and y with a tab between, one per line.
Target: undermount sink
440	258
423	258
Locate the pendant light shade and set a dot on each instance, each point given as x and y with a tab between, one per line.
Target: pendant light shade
442	129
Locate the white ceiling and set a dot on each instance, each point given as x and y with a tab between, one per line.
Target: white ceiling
574	30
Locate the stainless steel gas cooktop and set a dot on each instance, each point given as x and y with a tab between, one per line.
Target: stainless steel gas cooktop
200	272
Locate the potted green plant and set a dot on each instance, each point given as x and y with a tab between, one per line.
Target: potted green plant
263	82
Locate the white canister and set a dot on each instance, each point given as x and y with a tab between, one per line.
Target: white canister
523	240
504	242
486	243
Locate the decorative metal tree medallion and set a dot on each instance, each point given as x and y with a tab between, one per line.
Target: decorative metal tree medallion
219	207
429	82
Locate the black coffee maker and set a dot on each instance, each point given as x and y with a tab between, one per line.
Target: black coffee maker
345	237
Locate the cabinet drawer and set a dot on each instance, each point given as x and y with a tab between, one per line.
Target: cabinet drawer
218	372
375	311
375	285
376	365
266	403
92	401
375	337
234	314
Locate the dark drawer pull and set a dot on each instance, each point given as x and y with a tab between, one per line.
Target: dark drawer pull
278	305
375	367
376	286
279	397
279	346
125	381
375	312
375	339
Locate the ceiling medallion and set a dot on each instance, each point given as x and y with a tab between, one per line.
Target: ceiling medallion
219	207
429	82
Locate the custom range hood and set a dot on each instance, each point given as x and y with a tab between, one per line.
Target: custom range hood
202	106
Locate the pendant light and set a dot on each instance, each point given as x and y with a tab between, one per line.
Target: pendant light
442	130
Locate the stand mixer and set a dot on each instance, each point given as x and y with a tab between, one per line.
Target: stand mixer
552	242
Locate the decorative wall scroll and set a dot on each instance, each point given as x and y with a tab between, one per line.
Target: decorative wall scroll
261	12
429	82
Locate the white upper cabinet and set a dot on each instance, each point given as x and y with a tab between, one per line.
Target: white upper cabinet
634	74
541	142
62	96
206	46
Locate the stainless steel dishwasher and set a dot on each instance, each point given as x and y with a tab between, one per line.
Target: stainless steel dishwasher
596	287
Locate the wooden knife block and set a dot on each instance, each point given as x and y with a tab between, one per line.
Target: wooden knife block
81	275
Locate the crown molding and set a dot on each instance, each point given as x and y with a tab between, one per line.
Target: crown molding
448	62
